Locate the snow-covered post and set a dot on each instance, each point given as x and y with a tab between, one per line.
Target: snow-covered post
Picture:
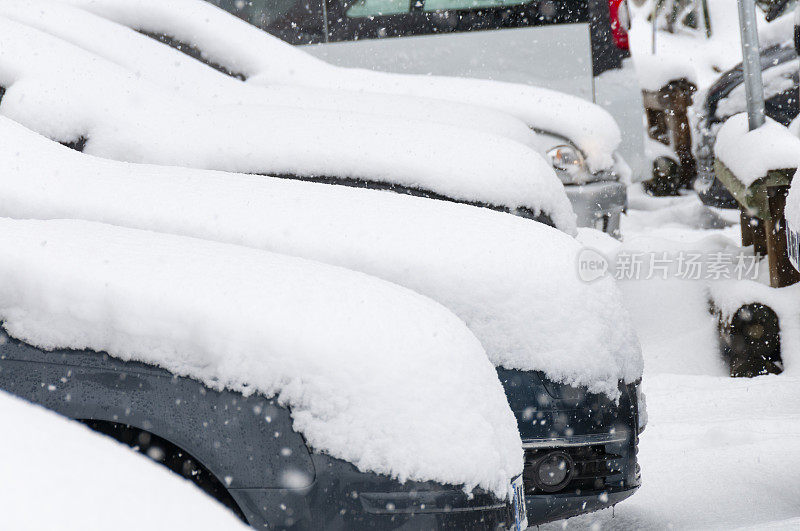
751	64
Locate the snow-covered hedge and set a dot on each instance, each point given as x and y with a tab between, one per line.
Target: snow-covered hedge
68	94
750	155
189	78
513	281
267	60
373	373
59	474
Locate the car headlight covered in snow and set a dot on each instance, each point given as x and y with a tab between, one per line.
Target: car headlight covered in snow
569	164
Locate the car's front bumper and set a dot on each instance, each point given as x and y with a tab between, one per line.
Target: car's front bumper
599	204
342	497
550	507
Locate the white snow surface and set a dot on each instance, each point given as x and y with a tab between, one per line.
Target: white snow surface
512	280
340	348
718	452
58	474
188	78
66	93
751	154
655	71
266	60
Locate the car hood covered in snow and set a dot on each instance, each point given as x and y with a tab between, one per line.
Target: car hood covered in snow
513	281
72	96
266	60
359	361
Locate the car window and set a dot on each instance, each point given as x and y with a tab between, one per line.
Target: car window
295	21
373	8
441	5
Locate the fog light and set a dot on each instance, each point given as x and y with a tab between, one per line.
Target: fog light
553	471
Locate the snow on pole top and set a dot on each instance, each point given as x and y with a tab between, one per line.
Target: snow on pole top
359	361
750	155
264	59
189	78
68	94
513	281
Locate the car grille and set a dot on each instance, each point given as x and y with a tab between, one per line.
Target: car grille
595	468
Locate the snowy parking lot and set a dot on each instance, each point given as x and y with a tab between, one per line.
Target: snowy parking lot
366	264
718	452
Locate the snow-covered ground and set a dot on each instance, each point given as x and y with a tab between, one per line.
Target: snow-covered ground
718	452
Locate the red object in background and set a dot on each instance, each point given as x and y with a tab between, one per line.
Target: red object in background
620	22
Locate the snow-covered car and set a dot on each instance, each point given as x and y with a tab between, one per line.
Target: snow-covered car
299	394
89	481
579	139
725	98
95	106
484	266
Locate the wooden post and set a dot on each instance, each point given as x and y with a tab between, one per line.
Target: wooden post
753	233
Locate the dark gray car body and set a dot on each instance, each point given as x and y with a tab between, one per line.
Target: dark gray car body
247	455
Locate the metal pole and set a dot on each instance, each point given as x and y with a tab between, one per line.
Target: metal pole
751	63
654	24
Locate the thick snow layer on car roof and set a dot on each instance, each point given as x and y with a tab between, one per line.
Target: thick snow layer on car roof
265	59
373	373
751	154
59	474
513	281
68	94
169	68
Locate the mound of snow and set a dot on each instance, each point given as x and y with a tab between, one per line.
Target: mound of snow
68	94
59	474
266	60
751	154
373	373
189	78
513	281
729	296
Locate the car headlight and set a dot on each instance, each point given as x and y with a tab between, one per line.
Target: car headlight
641	406
569	164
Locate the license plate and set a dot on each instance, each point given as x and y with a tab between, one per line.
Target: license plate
518	504
793	246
